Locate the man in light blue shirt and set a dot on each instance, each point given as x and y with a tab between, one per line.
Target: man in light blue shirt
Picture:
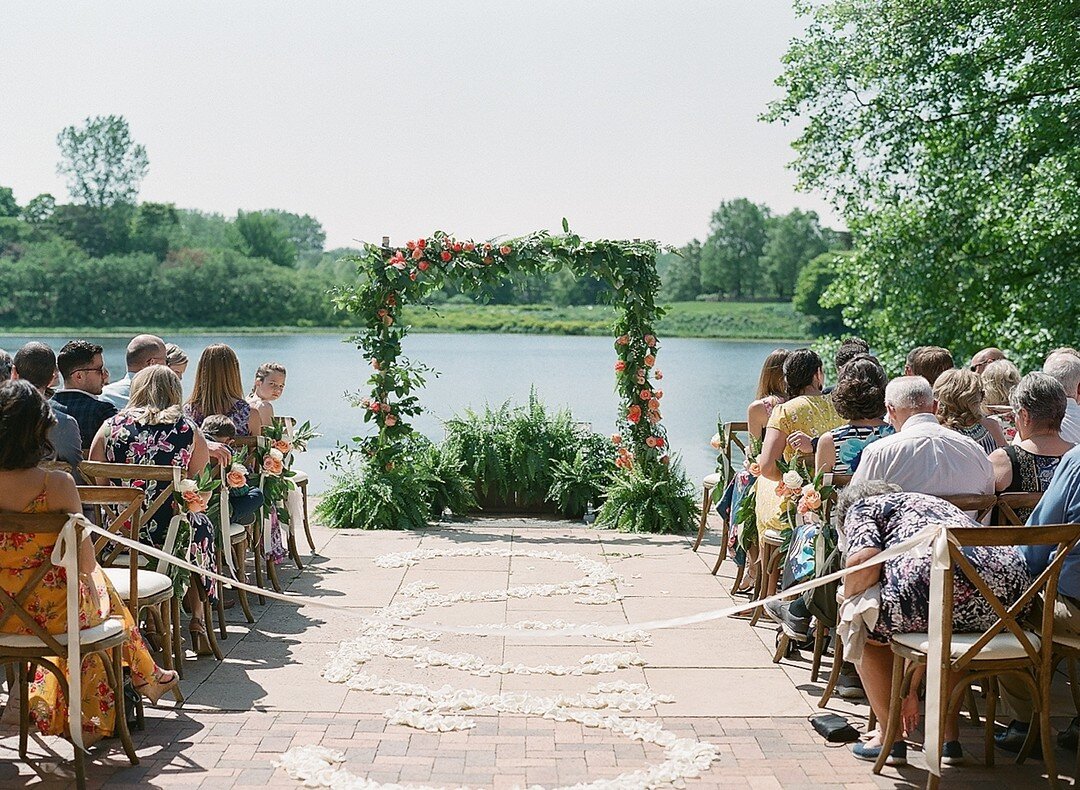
142	352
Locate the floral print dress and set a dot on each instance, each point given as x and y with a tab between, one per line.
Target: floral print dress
21	556
882	521
128	441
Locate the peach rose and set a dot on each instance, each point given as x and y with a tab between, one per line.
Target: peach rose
273	466
633	414
469	246
417	254
654	403
812	500
714	442
422	265
654	417
650	360
504	250
650	341
236	477
650	441
620	366
616	438
622	340
755	469
657	374
282	446
645	395
391	420
196	501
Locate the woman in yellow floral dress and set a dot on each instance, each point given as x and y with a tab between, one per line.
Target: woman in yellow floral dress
25	419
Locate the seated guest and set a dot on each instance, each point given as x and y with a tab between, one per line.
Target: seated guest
7	364
268	387
984	358
85	374
1065	367
245	501
218	390
176	358
875	518
849	348
771	392
928	362
998	379
142	352
152	429
1029	464
924	456
1064	350
859	397
959	394
25	420
1060	504
36	363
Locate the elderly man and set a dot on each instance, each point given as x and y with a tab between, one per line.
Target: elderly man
924	456
928	362
1065	367
36	363
142	352
985	357
85	375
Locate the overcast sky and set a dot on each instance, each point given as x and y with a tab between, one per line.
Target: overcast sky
632	119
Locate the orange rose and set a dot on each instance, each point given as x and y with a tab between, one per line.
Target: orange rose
620	366
654	403
616	438
755	469
196	501
650	441
391	420
650	341
622	340
236	479
645	395
282	446
633	414
273	466
650	360
417	254
504	250
812	498
654	417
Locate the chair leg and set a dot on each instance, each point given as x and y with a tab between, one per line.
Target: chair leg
239	551
271	572
819	649
258	558
725	534
220	605
973	708
116	676
177	636
706	500
892	727
163	622
991	715
307	521
211	637
834	673
24	708
293	551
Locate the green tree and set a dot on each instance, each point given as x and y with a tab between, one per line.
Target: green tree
102	163
948	134
792	240
8	206
203	230
99	231
38	210
682	280
151	228
730	256
303	230
814	279
265	236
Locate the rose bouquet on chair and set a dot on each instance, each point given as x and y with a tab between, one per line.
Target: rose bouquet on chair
192	496
744	516
802	500
273	460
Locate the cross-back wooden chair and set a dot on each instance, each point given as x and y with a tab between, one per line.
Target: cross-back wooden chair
258	529
25	643
168	478
119	509
733	436
301	479
231	552
1009	502
979	504
1004	647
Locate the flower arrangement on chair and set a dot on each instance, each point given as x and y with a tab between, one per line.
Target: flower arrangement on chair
802	495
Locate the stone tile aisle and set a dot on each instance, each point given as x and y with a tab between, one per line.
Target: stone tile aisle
268	695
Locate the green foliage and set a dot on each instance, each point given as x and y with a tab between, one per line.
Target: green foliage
949	136
8	206
730	255
39	209
657	499
304	232
584	479
814	280
448	485
682	279
375	497
793	239
265	235
99	230
202	230
152	227
101	162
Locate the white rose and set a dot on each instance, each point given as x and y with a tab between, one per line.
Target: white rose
793	479
276	454
187	485
238	468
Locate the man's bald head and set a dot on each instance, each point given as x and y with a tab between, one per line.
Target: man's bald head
985	357
144	351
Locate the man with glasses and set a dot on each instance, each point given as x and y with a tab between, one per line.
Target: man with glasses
85	375
142	352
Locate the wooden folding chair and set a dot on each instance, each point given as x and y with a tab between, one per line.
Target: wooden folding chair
120	509
233	545
1008	503
732	435
979	504
301	480
1004	647
33	646
258	529
168	477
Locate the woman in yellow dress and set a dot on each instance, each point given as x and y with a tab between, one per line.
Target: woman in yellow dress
25	419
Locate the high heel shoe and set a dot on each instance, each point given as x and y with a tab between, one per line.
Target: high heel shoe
199	641
164	682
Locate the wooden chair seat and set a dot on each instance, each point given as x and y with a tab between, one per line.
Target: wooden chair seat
237	533
1003	647
109	633
154	588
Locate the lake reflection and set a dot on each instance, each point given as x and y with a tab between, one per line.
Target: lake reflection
701	378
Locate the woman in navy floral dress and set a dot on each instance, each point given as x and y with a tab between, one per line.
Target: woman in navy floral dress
152	430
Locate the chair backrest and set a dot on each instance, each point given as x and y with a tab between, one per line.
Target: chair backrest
1063	537
170	475
1008	503
838	482
120	509
980	504
13	607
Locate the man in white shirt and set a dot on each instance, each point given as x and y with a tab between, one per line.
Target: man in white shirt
142	352
1065	367
924	456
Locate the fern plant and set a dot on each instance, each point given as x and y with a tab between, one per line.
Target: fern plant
584	478
377	498
649	500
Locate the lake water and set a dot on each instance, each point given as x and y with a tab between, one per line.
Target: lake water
701	379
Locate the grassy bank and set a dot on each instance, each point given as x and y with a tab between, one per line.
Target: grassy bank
730	320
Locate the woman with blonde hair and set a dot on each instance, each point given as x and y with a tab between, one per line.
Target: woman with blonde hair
999	379
152	430
176	358
771	391
959	394
269	384
218	390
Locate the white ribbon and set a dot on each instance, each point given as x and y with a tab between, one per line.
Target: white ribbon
65	554
226	521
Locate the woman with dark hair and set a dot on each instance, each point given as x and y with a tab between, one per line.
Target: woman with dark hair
218	389
771	392
859	396
25	420
792	428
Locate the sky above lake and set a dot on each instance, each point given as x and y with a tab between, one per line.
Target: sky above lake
631	119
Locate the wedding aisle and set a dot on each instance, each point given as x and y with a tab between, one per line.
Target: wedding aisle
515	708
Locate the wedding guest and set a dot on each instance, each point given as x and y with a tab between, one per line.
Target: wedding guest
1064	366
998	379
142	352
268	387
7	364
83	369
218	390
859	397
928	362
849	348
984	358
176	358
924	456
36	363
245	501
25	421
959	394
771	391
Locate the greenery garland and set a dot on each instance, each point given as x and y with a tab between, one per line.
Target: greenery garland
392	277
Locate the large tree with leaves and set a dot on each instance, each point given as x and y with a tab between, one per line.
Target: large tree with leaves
948	134
102	163
730	256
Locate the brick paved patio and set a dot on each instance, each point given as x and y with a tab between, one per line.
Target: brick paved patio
268	695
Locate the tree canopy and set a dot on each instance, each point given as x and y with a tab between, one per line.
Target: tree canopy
947	134
102	163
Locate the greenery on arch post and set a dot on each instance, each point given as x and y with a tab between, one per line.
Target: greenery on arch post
647	493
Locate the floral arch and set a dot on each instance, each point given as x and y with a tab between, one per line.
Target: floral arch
393	277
